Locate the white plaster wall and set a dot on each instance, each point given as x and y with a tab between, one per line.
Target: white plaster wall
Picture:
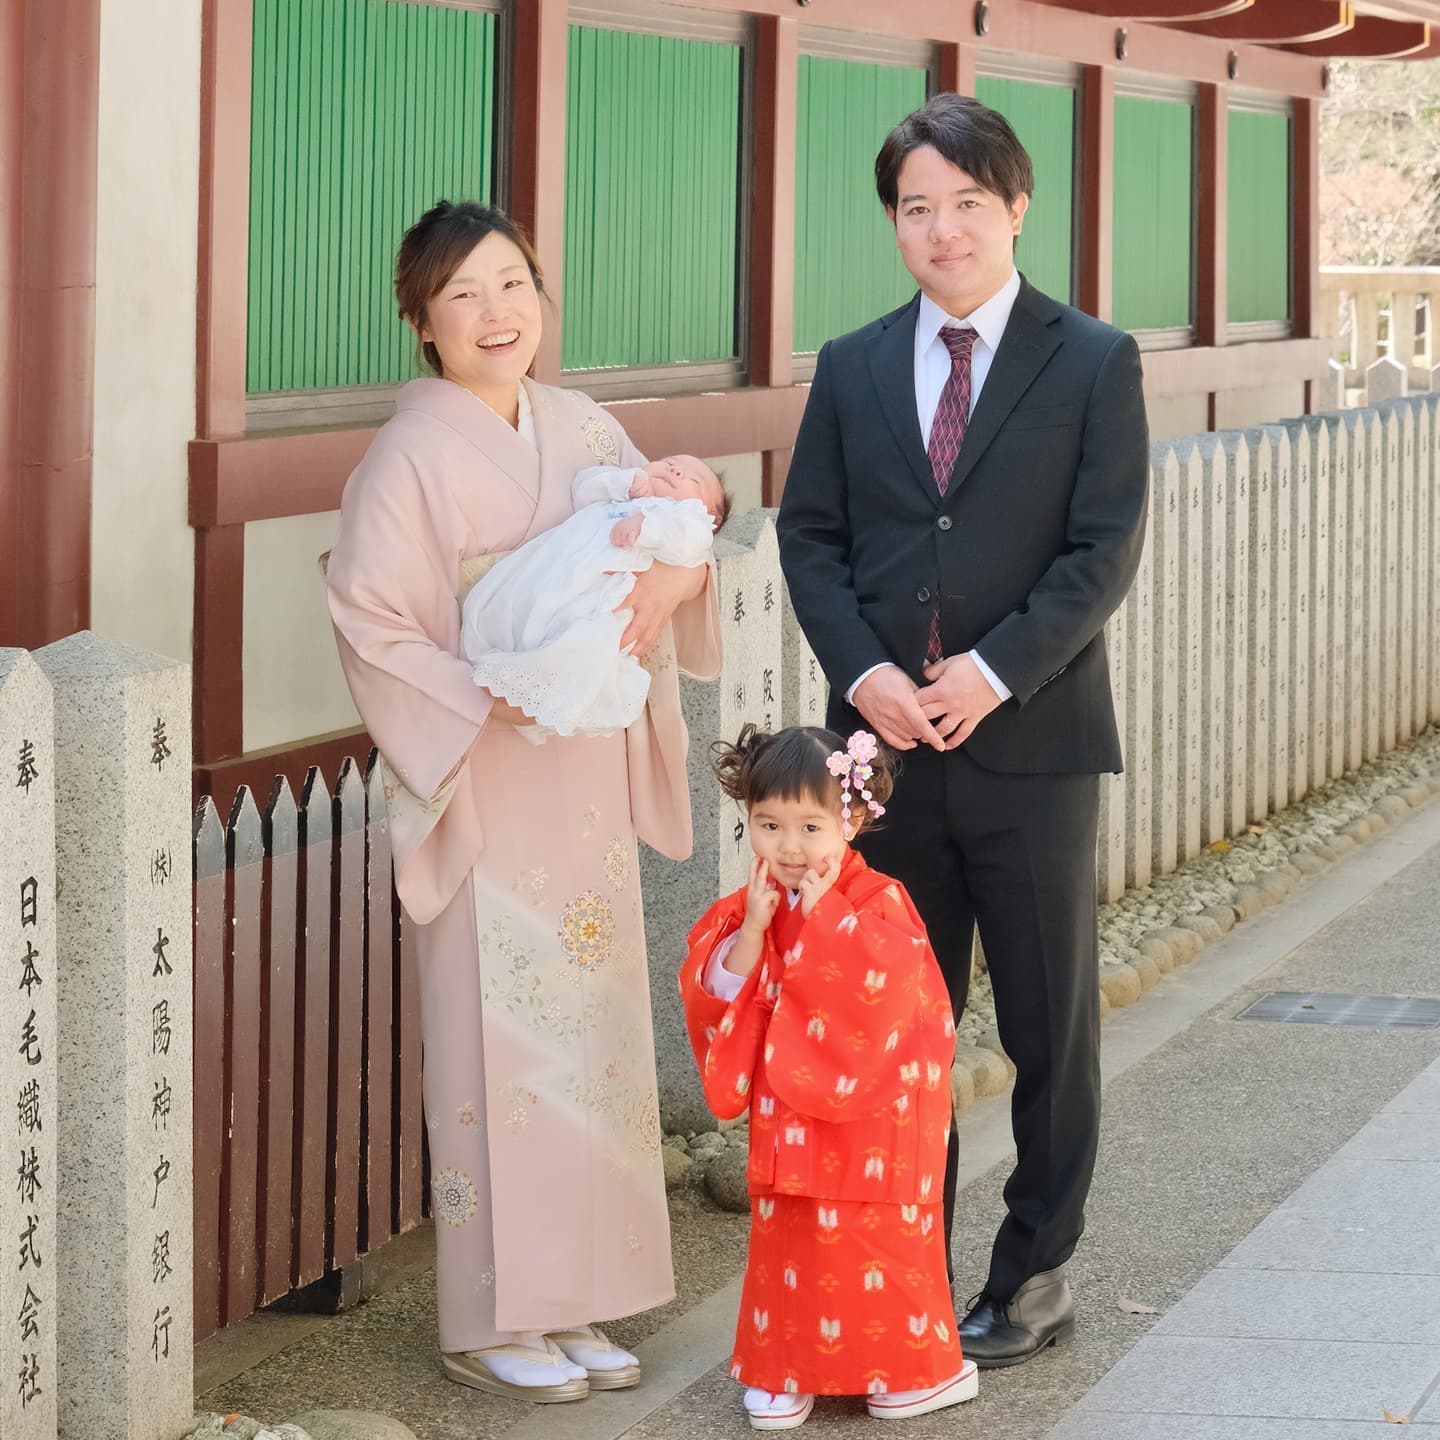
1175	415
1259	405
293	684
741	474
145	269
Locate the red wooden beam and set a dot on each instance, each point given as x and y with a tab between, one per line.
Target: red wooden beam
57	317
271	477
772	225
1279	22
1373	38
1029	27
218	720
12	125
537	191
1160	12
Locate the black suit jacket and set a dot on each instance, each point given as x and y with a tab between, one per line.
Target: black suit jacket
1034	545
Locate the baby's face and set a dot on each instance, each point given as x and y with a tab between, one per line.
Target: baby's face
683	477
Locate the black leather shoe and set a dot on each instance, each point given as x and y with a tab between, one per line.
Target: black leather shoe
997	1333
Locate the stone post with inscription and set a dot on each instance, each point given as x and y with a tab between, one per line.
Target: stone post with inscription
750	688
29	1262
125	1272
804	689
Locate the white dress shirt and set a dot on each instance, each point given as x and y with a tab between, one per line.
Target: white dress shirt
932	370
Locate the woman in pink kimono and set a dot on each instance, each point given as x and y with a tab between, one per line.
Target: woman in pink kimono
517	862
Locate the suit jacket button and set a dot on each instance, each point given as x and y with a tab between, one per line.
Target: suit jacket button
922	595
944	522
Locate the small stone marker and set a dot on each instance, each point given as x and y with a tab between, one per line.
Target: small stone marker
29	1302
1407	536
1112	832
1167	648
1259	613
1138	702
1427	557
1238	507
803	685
1216	698
1194	721
1344	697
1350	471
1296	519
747	566
125	1263
1385	379
1330	388
1370	465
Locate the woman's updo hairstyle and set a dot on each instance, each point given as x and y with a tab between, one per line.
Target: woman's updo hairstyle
791	765
431	252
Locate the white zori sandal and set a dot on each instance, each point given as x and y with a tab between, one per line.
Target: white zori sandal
605	1364
904	1403
769	1411
538	1373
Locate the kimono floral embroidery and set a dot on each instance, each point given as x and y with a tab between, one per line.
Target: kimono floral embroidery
592	821
530	884
466	1113
520	1100
587	929
601	441
455	1197
617	865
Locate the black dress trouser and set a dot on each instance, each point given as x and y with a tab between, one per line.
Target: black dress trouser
1014	854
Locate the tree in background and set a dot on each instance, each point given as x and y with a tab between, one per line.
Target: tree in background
1380	165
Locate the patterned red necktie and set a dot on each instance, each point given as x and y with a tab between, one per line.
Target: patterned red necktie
947	434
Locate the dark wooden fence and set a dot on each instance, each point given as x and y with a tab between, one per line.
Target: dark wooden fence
308	1128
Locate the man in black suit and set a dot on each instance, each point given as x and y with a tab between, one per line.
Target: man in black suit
965	508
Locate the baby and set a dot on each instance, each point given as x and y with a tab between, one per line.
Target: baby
541	628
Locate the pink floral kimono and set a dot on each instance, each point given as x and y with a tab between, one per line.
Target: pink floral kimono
518	864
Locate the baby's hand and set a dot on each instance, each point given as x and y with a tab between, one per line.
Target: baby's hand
626	532
642	487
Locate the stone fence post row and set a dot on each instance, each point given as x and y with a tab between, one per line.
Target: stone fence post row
1284	627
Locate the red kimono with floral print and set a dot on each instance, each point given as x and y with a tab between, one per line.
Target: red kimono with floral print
840	1043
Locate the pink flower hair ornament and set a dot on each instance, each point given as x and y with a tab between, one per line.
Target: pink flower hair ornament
852	767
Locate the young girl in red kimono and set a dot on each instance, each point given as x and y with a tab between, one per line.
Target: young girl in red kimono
813	1000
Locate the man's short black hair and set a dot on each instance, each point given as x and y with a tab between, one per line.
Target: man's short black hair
971	136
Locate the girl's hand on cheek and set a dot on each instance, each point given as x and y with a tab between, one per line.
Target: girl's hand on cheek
761	898
816	883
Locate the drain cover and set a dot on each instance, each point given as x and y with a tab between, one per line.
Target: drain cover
1371	1012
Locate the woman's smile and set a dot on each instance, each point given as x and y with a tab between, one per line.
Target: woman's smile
502	341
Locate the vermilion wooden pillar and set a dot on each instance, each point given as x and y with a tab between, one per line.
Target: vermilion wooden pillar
1212	167
1305	163
57	316
772	223
218	710
957	68
1097	194
537	198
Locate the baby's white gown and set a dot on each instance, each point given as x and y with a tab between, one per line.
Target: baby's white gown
540	628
